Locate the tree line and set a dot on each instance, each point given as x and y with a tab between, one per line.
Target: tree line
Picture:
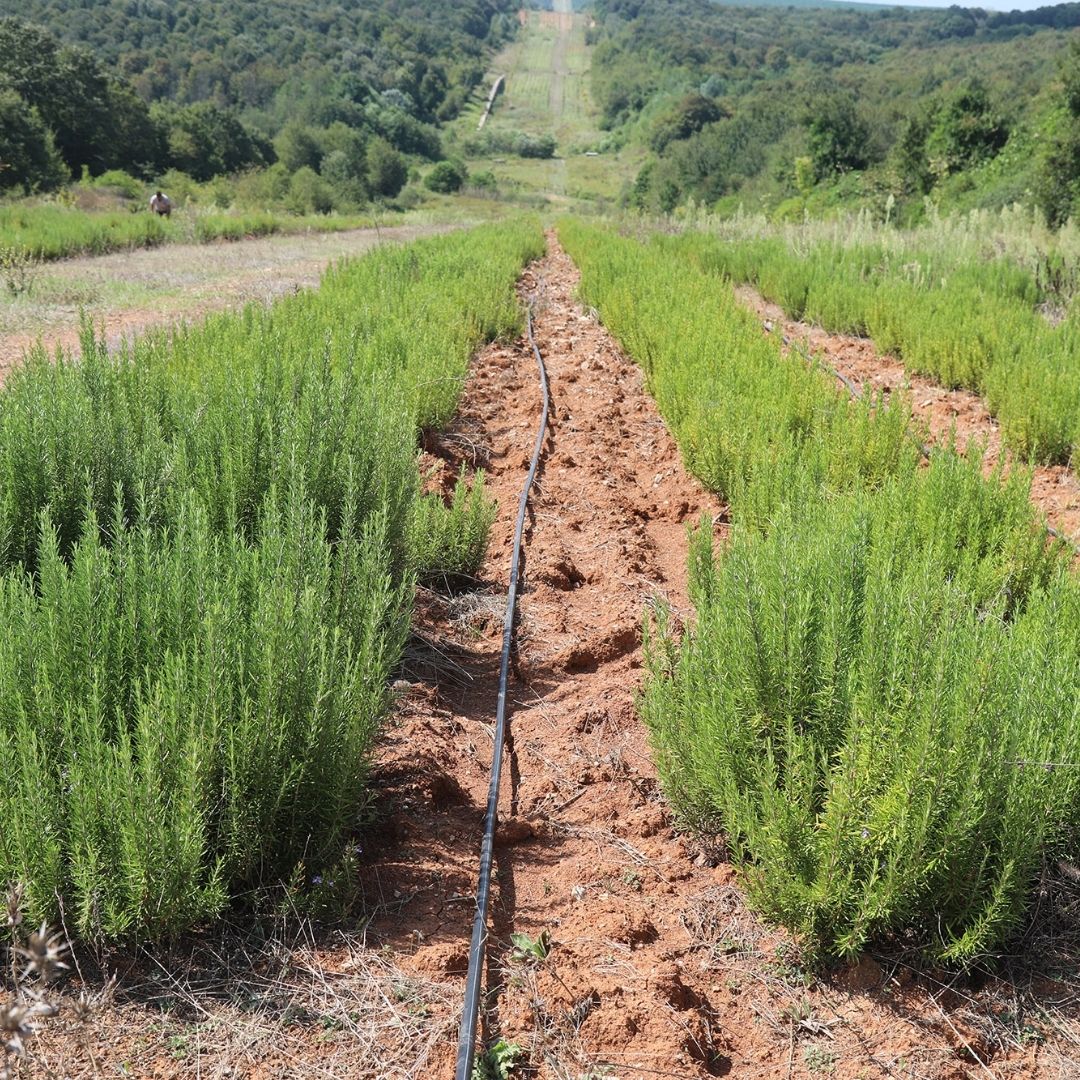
211	88
799	109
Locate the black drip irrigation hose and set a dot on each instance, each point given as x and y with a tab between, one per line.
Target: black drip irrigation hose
467	1038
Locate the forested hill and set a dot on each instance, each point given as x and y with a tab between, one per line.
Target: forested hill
798	109
233	84
265	54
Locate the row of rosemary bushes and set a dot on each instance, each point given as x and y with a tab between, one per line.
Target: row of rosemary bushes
52	231
877	704
208	545
981	325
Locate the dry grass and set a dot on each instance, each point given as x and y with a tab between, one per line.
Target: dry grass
330	1008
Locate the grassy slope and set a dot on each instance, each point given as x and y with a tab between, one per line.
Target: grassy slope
547	91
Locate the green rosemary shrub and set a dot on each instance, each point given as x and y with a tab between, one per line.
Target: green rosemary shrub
750	422
448	542
881	680
973	325
208	546
189	715
863	706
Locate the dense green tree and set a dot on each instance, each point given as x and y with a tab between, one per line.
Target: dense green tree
348	147
836	134
685	118
309	193
966	130
909	155
204	140
1058	190
296	146
386	168
97	120
240	53
445	178
380	67
28	155
533	146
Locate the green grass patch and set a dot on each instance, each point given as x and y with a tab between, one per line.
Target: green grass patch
46	231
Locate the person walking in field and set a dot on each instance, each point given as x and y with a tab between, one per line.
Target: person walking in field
160	204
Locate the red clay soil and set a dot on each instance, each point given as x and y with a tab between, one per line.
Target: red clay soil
1054	488
655	968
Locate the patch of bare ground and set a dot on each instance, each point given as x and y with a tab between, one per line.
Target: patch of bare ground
654	966
1054	488
186	281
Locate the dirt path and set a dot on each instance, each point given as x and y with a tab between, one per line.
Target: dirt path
1054	488
654	967
587	856
173	282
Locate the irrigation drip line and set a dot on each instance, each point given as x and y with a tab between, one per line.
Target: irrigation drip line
473	978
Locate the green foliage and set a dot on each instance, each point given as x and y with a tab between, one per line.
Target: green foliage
28	155
51	231
933	89
685	118
861	703
801	426
385	69
529	950
18	269
498	1062
497	140
447	542
974	326
836	135
884	657
207	550
386	169
121	182
204	140
309	193
285	58
966	131
1058	186
96	119
446	177
296	147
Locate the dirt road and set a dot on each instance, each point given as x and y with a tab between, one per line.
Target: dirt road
129	292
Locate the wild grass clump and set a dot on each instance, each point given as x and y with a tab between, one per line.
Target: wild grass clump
877	703
208	546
